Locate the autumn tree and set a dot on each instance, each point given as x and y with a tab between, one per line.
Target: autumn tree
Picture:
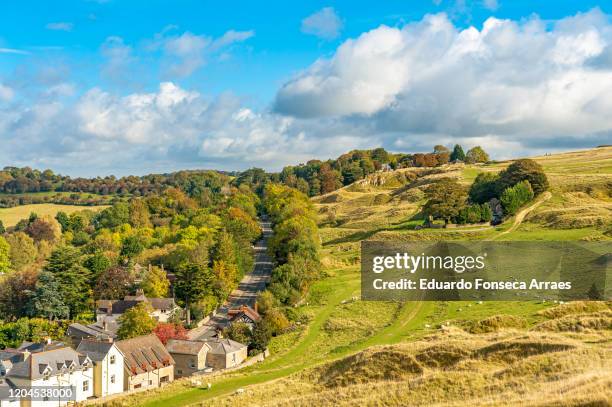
476	155
22	250
136	321
113	283
445	199
5	261
155	283
15	290
45	228
166	331
139	215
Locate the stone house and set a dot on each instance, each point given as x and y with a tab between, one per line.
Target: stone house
225	353
147	363
189	356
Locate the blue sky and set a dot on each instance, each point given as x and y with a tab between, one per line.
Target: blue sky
100	87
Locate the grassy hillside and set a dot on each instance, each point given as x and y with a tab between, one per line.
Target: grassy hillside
10	216
352	352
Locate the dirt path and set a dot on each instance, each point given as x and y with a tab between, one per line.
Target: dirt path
520	216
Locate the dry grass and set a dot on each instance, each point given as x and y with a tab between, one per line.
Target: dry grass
11	216
452	367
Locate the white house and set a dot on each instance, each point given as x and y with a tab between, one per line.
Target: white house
108	365
54	367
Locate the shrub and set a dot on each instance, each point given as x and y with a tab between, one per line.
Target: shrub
522	170
516	196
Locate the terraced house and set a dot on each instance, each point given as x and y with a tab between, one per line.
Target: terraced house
49	365
147	363
108	365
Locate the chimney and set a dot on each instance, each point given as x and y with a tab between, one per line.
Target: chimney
256	307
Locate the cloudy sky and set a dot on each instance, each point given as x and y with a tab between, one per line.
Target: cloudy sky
128	87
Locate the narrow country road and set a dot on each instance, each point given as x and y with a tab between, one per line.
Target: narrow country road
247	290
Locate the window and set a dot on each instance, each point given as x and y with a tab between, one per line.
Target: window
112	378
164	379
150	382
138	386
192	364
112	359
86	385
179	371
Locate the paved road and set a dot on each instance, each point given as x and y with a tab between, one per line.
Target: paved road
247	290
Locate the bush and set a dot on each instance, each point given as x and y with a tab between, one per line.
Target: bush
485	187
524	170
516	196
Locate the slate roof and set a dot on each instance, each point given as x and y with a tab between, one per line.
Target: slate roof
185	347
245	310
92	330
51	362
96	350
144	354
224	346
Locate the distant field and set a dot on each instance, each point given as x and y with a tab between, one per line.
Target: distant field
11	216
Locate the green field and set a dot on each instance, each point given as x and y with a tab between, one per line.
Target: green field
11	216
335	359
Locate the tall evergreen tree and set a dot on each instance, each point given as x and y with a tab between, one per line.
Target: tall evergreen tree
457	153
72	278
44	301
193	282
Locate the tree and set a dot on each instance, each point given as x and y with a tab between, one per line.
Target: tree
5	260
485	187
193	282
457	154
131	247
64	221
45	228
113	283
97	264
44	301
439	149
446	198
524	169
261	336
23	252
265	302
139	215
166	331
114	216
15	292
72	277
239	332
476	155
2	228
276	321
155	283
136	321
516	196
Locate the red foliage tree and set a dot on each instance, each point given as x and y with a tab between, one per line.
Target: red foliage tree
166	331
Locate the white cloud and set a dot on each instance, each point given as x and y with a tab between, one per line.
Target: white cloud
325	24
60	26
186	53
515	80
